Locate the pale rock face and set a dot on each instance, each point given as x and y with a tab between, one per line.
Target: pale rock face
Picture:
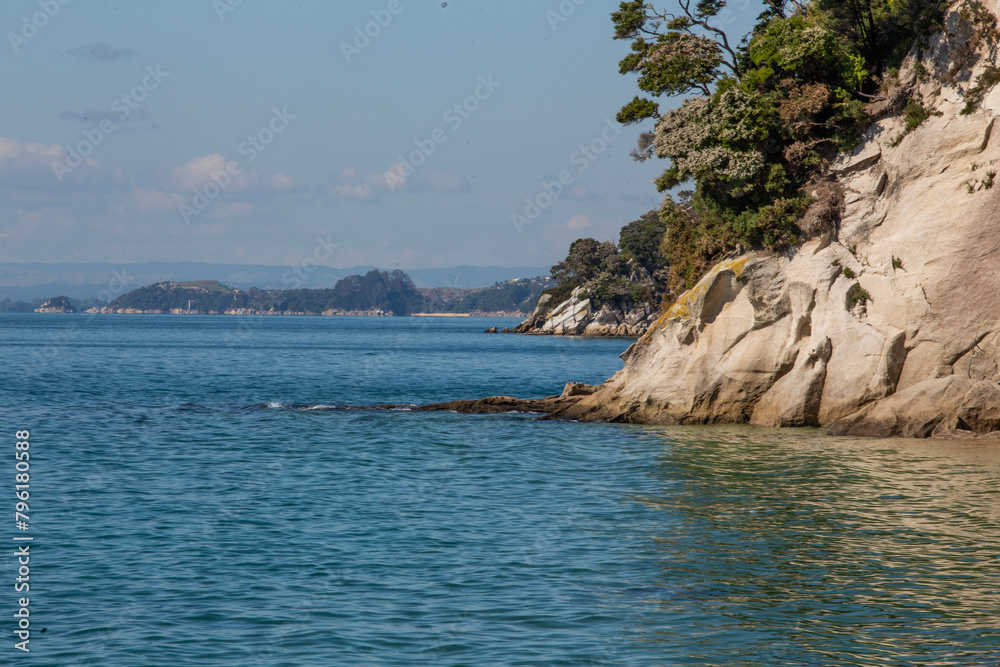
576	316
904	347
794	400
942	407
569	317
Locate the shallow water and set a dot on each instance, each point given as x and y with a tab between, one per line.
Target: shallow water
189	509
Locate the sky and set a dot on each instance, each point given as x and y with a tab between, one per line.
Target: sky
394	133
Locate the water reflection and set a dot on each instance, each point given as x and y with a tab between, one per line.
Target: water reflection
816	550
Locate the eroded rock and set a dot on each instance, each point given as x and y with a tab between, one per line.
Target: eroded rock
886	322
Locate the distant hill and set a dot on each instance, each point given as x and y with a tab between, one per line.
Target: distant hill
102	280
512	296
376	292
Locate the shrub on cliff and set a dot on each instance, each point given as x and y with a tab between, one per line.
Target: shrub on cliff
761	115
632	272
640	244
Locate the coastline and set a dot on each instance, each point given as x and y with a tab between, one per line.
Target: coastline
268	313
569	407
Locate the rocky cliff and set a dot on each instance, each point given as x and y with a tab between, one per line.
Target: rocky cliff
577	317
887	321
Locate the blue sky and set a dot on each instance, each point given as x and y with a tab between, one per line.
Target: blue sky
243	131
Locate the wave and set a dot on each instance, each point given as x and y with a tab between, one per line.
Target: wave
324	407
296	407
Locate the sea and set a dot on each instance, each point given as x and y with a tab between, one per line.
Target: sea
205	490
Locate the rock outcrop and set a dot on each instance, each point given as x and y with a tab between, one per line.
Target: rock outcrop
886	322
59	304
577	317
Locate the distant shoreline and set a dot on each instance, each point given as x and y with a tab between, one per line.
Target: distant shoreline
94	311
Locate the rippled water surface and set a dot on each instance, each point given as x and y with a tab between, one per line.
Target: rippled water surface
200	497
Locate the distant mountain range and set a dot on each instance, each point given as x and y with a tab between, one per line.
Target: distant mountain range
99	280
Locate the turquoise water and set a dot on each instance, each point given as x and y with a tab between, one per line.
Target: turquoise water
199	497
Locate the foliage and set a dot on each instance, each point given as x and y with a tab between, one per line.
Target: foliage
634	271
986	82
758	119
391	291
640	243
8	306
512	296
897	263
914	116
587	260
699	233
637	110
849	273
882	31
859	295
985	21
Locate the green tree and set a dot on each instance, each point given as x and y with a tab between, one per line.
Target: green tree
673	53
640	243
759	115
586	260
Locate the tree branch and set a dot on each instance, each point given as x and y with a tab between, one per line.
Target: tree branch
722	39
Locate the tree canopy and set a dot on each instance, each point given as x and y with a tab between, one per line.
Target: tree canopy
630	272
759	114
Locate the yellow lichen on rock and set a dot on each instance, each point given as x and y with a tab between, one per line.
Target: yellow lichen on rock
681	310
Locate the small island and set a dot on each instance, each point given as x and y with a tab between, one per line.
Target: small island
59	304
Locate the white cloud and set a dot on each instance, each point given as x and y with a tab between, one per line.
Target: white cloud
29	166
354	183
284	183
580	222
199	172
15	154
361	192
93	195
581	225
